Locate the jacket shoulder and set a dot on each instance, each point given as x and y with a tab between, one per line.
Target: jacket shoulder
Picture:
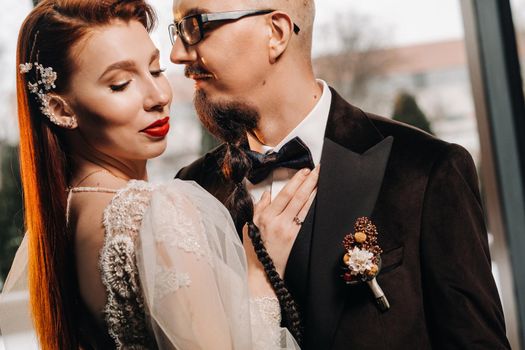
204	167
405	134
415	143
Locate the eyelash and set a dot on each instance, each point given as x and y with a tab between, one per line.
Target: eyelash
157	73
121	87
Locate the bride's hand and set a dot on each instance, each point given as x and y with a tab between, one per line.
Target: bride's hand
276	219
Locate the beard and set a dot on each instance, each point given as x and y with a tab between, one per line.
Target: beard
229	121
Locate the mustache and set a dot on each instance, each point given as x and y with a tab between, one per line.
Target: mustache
190	71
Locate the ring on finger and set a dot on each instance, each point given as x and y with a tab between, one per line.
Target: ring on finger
297	220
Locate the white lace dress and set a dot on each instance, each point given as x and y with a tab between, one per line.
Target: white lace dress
175	274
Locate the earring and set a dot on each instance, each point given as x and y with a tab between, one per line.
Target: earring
46	110
45	82
70	124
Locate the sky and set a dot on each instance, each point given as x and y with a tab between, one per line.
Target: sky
401	22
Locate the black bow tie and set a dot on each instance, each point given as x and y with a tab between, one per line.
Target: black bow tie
294	155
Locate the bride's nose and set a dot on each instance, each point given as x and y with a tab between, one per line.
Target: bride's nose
157	95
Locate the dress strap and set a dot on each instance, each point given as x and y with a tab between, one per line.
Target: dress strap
92	189
72	190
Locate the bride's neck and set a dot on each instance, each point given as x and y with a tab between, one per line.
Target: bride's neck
124	170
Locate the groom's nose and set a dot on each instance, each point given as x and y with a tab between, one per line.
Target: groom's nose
182	54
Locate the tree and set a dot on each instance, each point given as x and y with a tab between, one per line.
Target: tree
11	207
358	57
407	111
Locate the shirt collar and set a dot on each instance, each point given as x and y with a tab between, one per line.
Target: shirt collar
311	129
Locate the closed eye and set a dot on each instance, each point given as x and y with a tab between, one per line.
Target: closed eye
157	73
119	87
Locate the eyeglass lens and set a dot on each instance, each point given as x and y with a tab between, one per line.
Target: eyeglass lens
190	30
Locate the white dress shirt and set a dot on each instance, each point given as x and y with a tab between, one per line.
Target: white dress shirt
311	131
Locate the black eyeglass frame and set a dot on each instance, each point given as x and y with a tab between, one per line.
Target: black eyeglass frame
204	18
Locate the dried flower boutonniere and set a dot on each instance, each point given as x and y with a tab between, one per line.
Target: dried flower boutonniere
362	261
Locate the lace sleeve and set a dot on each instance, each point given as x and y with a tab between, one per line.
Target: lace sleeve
192	269
193	273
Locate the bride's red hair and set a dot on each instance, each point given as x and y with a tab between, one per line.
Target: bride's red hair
47	36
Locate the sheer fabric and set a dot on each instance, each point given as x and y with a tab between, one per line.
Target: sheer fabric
193	271
175	273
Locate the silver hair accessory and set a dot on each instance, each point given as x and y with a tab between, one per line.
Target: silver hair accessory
45	82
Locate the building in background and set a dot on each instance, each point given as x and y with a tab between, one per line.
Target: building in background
435	73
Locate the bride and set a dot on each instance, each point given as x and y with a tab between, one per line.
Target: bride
114	261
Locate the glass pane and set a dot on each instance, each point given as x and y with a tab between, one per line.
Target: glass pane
518	16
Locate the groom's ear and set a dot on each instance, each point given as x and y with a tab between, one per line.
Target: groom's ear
281	30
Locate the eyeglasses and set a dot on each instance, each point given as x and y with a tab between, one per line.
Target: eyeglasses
191	28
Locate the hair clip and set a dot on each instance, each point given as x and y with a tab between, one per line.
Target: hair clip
45	82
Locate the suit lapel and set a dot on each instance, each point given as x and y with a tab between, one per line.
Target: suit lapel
296	274
353	164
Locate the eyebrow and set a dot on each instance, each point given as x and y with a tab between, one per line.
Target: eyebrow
194	11
128	64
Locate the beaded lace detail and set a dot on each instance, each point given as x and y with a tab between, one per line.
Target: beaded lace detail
268	316
124	311
189	235
169	281
269	310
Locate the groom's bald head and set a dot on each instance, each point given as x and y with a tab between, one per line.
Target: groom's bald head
301	12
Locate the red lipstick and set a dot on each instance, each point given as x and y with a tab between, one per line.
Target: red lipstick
158	128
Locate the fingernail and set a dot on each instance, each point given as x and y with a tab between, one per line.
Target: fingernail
306	171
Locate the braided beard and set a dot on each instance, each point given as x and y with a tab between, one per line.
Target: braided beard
228	121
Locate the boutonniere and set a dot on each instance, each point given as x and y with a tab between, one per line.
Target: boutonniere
362	259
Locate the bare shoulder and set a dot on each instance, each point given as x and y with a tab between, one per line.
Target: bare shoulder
87	205
87	208
87	213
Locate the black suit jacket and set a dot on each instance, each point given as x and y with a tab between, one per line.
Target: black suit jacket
422	194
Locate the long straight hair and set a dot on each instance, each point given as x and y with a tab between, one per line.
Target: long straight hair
47	36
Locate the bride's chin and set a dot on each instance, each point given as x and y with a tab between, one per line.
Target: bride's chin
157	149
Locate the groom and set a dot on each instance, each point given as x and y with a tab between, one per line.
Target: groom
420	192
